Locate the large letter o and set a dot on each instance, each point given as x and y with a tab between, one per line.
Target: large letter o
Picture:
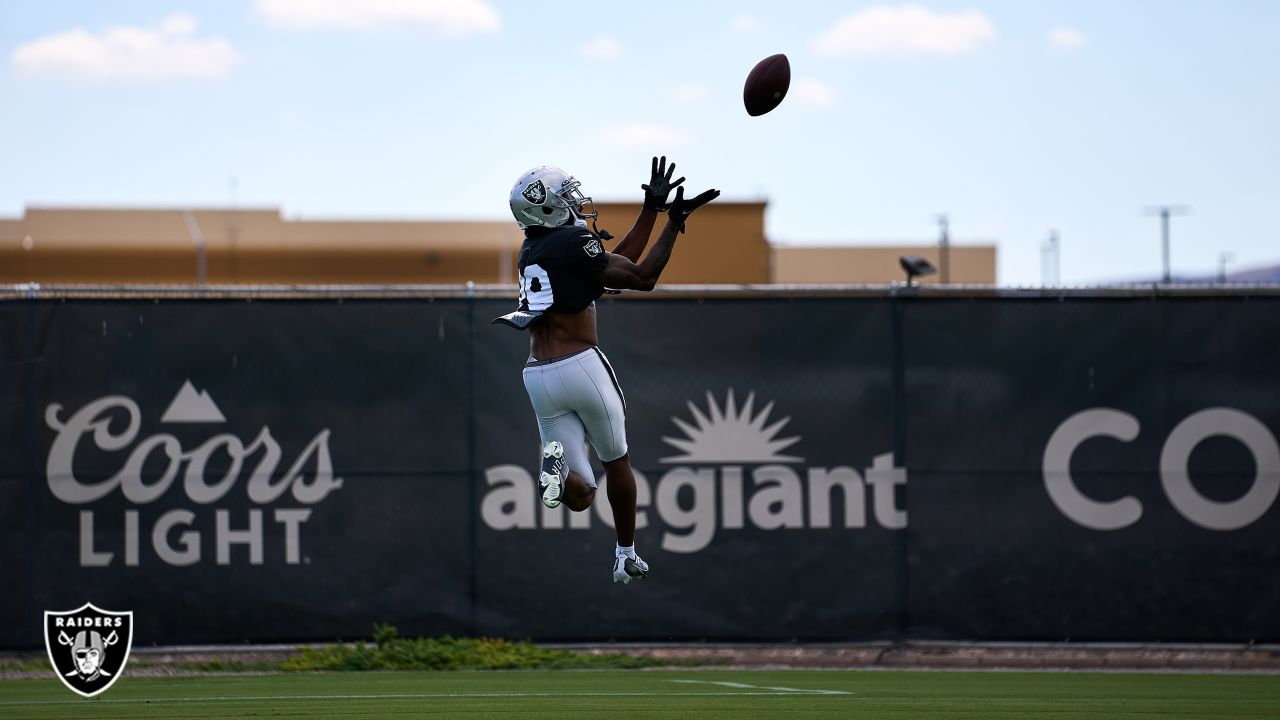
1187	500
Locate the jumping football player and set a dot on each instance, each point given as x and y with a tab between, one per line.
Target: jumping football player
563	269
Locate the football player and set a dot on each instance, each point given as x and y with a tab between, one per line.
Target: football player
563	268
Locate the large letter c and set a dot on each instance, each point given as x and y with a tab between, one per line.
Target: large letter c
1079	508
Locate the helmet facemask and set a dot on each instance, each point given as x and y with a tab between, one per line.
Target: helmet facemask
571	194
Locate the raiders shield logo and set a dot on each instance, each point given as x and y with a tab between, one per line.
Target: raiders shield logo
593	247
536	193
88	646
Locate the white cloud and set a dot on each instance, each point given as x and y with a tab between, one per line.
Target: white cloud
687	93
168	50
1065	38
603	47
179	24
746	23
640	134
811	92
904	31
443	17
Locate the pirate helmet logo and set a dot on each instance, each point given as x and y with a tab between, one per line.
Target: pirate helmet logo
536	193
88	646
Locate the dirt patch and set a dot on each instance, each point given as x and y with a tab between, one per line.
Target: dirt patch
253	659
971	656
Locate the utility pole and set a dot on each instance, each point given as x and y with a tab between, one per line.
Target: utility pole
944	250
1223	259
1165	211
1049	254
197	238
233	229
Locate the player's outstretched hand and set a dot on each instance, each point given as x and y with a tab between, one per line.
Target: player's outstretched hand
659	185
681	208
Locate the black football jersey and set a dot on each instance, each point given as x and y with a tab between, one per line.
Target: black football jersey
559	271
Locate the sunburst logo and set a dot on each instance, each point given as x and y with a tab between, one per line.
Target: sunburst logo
731	435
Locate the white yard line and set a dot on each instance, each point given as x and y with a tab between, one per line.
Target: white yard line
784	690
413	696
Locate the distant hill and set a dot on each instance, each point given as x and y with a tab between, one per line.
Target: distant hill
1268	274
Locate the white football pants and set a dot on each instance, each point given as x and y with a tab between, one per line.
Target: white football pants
577	398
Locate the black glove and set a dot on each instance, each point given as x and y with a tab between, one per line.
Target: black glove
681	208
660	185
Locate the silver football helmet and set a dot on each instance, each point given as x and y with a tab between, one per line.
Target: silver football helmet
550	197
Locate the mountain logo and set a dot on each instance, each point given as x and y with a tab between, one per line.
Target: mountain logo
189	406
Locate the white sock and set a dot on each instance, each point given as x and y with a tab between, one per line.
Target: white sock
627	550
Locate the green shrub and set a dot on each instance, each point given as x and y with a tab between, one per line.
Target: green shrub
391	652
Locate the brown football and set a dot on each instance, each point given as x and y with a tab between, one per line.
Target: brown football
767	84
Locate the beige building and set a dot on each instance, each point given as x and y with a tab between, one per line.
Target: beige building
874	264
726	243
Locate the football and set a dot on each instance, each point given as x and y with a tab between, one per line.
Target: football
767	84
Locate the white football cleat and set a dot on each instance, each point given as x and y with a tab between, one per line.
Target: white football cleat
552	478
627	568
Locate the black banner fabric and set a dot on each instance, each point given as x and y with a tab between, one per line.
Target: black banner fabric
236	471
1132	552
825	468
772	394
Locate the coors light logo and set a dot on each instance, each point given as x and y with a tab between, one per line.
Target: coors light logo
180	536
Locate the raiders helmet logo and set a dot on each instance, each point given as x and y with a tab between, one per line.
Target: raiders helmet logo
535	193
88	646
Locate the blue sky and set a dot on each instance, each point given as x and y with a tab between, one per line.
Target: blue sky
1013	117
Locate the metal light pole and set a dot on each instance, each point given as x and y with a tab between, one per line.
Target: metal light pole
1223	259
233	229
197	237
1049	254
1165	211
944	250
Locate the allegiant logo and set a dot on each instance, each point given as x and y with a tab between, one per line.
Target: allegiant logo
730	474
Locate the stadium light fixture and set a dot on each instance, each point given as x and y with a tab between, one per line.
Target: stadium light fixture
916	266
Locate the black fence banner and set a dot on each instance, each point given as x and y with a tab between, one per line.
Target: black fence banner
822	467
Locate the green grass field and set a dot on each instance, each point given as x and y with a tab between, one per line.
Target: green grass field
666	694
